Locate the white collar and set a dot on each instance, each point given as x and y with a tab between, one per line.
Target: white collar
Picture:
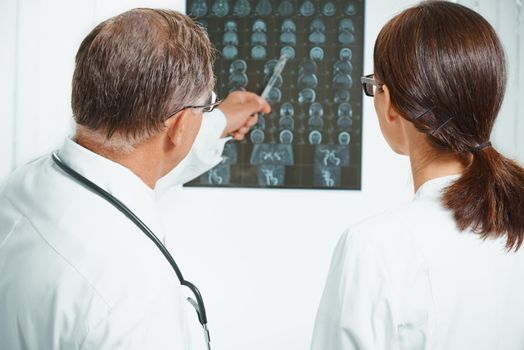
433	188
114	178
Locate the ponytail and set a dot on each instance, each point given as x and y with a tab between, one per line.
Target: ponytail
489	198
451	88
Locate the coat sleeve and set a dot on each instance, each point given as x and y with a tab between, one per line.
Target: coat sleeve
208	146
204	155
354	312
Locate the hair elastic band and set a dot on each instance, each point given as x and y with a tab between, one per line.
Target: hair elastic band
480	147
441	125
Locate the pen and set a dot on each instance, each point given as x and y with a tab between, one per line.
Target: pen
279	67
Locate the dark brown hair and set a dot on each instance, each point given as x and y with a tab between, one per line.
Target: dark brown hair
445	69
132	70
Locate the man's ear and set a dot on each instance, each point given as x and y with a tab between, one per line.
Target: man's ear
391	113
177	124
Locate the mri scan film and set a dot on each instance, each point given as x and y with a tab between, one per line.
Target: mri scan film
312	137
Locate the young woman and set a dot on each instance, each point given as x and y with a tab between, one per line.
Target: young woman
445	271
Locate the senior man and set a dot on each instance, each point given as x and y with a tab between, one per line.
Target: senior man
75	273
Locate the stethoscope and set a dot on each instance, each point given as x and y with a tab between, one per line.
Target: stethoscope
199	303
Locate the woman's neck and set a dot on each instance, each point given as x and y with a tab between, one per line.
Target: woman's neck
430	164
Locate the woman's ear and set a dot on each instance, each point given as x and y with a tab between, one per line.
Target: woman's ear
391	113
390	121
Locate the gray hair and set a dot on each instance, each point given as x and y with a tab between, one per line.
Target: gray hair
134	70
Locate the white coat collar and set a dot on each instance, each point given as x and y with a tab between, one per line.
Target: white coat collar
433	188
116	179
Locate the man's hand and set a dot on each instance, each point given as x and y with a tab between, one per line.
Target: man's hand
241	110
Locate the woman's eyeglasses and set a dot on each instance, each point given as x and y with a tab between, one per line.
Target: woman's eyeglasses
208	107
370	85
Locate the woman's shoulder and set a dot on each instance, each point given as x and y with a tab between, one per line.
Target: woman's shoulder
389	221
398	231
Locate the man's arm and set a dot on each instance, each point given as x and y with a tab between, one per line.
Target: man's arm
241	110
234	117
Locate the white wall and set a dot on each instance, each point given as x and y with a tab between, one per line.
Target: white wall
262	278
261	256
39	40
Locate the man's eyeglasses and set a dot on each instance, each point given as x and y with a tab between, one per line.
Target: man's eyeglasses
208	107
370	85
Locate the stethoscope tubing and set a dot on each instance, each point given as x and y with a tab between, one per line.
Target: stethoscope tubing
202	316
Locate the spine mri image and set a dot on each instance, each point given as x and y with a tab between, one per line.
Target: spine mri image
312	137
